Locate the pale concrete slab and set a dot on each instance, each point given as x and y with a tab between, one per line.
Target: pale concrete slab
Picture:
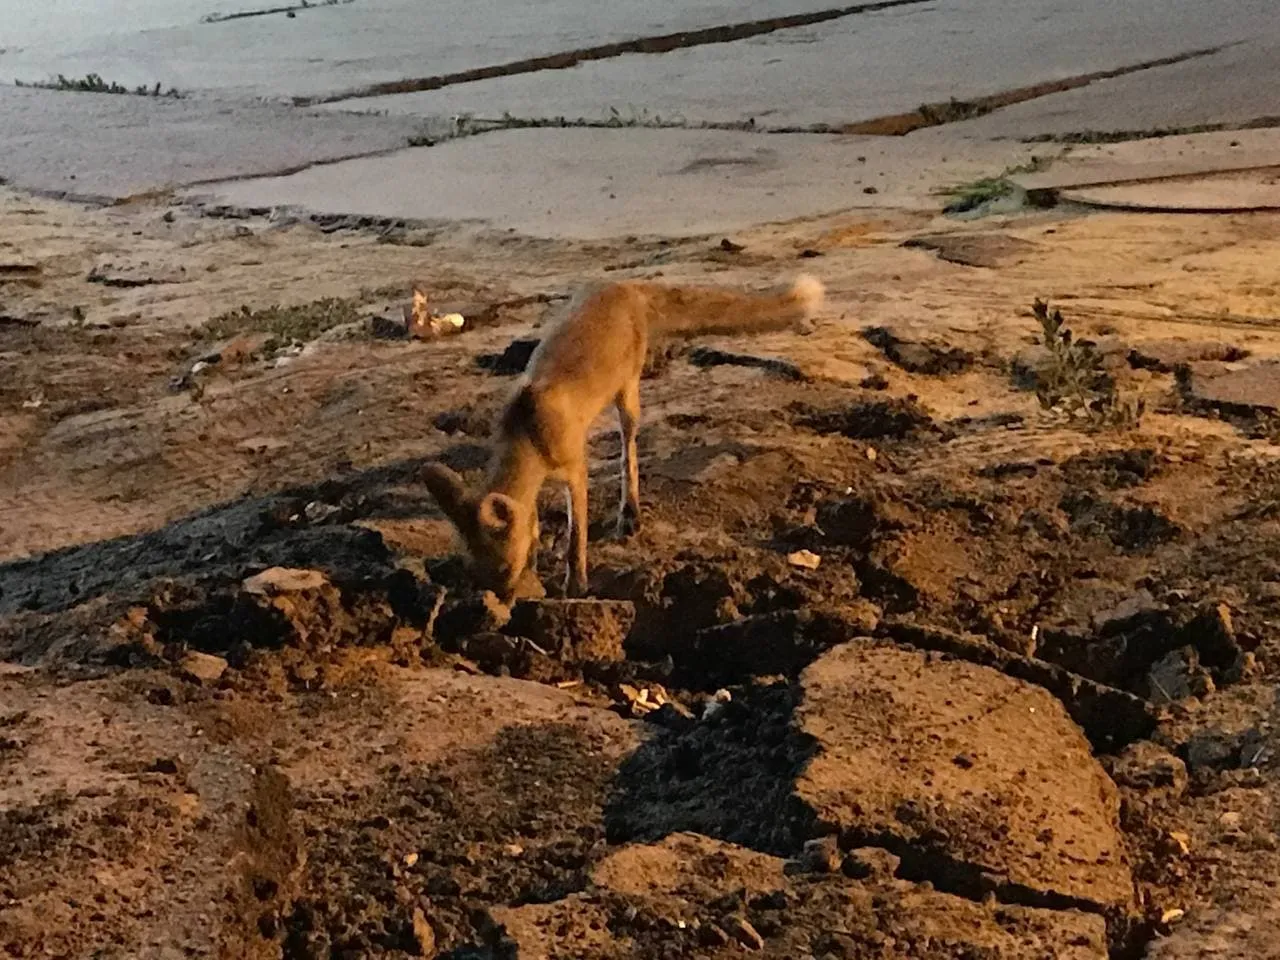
882	63
1164	157
331	48
601	183
1235	85
1236	192
93	144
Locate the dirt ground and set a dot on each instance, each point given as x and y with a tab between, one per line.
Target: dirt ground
902	664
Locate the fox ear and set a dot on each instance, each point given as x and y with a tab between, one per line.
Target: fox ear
419	298
449	490
496	512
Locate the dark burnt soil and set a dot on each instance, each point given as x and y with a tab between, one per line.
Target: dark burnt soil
1132	579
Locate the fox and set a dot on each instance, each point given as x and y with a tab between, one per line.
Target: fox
589	359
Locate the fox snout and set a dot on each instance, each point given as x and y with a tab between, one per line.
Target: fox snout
496	529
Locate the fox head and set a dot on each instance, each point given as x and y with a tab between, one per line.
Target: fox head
498	531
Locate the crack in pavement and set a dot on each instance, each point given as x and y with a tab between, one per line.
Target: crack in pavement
1154	133
664	43
955	111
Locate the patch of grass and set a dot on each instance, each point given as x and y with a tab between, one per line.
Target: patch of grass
469	125
93	83
298	324
969	196
1073	380
963	197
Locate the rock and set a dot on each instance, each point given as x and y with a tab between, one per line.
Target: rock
139	274
1034	811
388	326
1211	749
575	630
918	354
465	617
1028	366
284	606
1110	718
740	928
866	863
1149	768
658	882
821	855
278	581
711	357
1178	675
423	934
512	360
202	667
1213	635
1165	356
1124	615
804	559
1233	388
974	249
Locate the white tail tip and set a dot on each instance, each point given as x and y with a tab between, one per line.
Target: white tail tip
809	293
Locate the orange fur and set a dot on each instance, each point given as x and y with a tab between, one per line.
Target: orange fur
591	359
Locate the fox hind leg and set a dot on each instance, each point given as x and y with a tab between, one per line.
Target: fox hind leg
628	404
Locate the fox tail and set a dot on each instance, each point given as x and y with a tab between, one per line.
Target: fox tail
690	311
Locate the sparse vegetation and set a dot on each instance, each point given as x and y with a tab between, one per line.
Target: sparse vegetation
969	196
963	197
1153	133
469	125
1073	380
93	83
285	324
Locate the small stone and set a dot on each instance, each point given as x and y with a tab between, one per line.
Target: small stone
1178	675
1213	635
1147	767
1172	916
278	580
513	850
423	934
871	862
804	559
410	859
1181	841
202	667
738	927
821	855
1210	750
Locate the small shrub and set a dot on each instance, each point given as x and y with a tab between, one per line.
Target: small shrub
1073	380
